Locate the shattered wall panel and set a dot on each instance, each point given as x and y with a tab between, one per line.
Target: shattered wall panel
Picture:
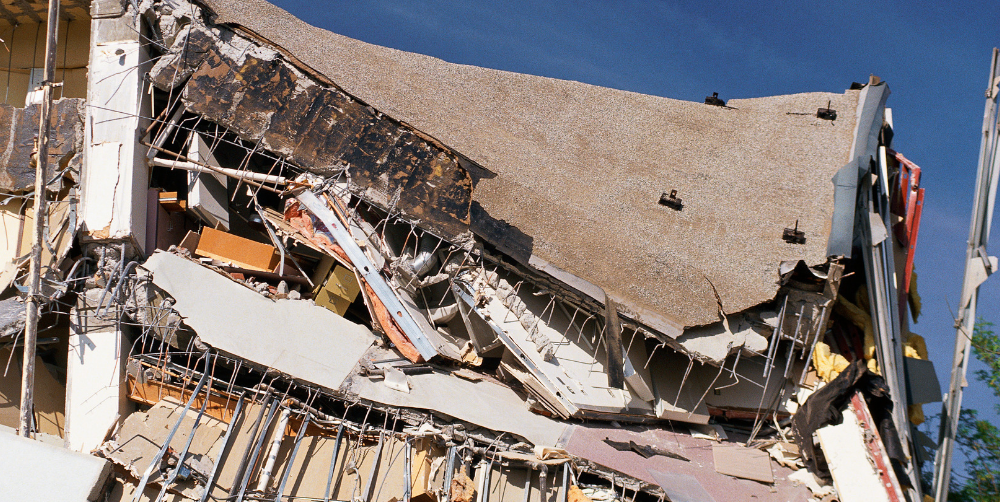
18	128
263	98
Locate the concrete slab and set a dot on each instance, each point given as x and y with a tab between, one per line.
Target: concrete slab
33	470
94	393
295	337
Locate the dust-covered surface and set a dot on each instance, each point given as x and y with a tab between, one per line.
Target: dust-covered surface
579	168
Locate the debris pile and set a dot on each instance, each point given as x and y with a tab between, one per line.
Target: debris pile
298	284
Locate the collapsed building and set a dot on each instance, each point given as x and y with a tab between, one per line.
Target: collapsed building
283	264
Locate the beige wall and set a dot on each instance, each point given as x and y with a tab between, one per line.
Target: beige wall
28	44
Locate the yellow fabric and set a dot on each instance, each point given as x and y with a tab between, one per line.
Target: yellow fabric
914	297
915	346
873	366
916	414
828	365
860	318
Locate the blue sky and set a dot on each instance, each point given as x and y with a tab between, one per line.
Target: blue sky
934	56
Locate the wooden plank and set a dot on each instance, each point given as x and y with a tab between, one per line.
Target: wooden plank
237	250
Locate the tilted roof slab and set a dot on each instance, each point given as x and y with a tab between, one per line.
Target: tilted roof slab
579	169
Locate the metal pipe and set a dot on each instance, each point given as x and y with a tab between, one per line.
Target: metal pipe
424	259
161	138
370	484
26	425
449	473
333	461
775	339
483	487
291	459
791	348
232	173
564	494
527	486
222	451
166	442
212	168
543	480
979	234
272	452
183	453
407	468
10	59
266	406
256	451
812	348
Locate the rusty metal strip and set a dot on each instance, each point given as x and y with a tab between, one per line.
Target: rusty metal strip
371	275
877	450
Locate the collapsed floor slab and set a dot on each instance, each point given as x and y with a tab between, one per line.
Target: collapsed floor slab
323	350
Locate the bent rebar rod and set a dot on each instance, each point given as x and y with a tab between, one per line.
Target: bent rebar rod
333	461
291	459
256	450
370	484
265	405
166	443
183	453
222	451
121	280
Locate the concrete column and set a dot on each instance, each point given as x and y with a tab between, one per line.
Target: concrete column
95	390
115	175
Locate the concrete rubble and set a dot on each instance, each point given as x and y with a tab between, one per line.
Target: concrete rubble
272	274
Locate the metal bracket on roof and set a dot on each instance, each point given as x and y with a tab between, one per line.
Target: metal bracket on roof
671	200
827	113
714	100
794	235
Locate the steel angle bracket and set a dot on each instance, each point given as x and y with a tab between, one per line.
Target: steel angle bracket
459	288
370	273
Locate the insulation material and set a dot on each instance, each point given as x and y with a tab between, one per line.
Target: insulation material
827	364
